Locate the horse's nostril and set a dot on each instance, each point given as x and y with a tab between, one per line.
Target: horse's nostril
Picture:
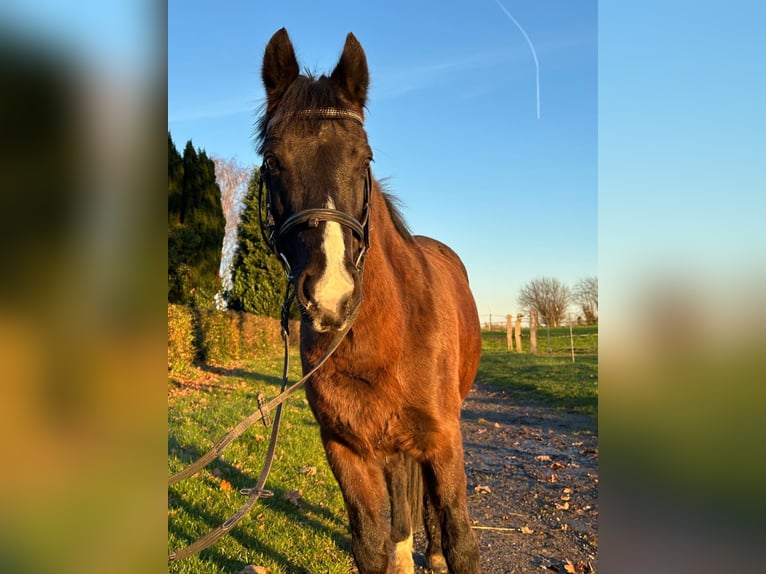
343	304
304	290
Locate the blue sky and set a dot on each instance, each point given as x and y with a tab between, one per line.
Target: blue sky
682	160
452	117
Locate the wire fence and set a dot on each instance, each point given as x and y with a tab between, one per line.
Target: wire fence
524	334
499	321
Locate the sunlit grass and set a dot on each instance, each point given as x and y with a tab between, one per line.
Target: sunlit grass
312	535
278	534
548	377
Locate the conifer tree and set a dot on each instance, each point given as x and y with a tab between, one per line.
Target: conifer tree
258	281
195	227
175	183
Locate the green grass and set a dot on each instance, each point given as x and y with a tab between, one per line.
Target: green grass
277	534
312	536
548	377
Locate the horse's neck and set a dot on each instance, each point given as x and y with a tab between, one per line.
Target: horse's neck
391	260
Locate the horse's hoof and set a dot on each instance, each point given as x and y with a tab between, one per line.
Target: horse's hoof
436	564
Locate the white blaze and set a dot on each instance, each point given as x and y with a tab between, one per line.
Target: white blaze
335	284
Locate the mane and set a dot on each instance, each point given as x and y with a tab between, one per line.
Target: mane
394	205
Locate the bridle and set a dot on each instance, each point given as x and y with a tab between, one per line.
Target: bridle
274	236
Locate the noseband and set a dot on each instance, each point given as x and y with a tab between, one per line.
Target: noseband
312	217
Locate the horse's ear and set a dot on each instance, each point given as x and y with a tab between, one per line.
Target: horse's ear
280	67
351	74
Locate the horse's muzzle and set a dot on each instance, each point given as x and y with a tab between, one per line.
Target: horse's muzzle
327	306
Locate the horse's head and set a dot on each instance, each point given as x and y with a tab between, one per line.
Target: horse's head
316	166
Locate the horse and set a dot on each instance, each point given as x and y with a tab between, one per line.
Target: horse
388	400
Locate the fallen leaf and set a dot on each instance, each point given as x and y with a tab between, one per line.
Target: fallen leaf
578	567
526	530
308	470
564	506
543	458
293	497
481	489
226	486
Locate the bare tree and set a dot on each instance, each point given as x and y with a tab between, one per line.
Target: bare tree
232	178
548	296
585	294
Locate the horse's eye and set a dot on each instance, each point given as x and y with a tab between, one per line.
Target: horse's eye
271	163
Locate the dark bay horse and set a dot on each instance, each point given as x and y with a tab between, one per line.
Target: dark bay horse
388	400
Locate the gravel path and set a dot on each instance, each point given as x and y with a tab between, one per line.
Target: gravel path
532	477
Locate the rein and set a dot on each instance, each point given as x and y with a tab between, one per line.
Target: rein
260	414
312	217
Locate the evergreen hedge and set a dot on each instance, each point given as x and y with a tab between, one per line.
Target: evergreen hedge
218	337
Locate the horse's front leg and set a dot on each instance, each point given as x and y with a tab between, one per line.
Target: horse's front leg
404	490
364	491
434	554
444	475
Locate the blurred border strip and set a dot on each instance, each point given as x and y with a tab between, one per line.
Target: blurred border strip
82	287
682	197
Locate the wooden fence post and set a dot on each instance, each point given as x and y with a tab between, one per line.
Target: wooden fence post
571	338
509	332
533	331
518	331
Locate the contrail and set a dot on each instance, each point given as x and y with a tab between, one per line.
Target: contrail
534	54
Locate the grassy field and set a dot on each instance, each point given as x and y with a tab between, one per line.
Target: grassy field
550	376
303	527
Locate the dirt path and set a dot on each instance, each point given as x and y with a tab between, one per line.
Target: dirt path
533	478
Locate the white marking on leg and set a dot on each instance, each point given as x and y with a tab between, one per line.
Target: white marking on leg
335	284
403	562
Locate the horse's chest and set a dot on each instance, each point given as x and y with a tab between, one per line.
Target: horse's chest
356	411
